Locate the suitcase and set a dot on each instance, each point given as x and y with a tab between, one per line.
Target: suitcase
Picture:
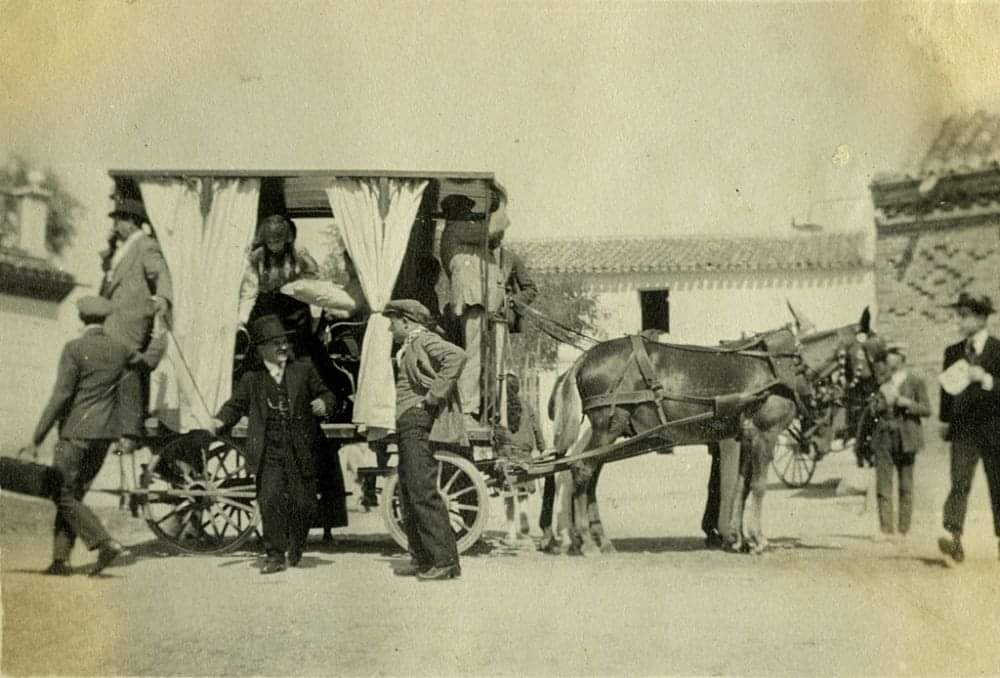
28	477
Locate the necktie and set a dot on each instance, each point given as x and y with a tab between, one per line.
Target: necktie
970	352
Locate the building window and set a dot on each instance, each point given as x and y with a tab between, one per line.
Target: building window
655	306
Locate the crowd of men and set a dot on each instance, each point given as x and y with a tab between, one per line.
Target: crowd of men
100	398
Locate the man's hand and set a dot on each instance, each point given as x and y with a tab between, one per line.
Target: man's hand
945	432
126	445
432	403
318	407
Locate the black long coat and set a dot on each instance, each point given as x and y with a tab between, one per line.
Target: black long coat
249	398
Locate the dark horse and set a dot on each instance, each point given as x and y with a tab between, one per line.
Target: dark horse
630	386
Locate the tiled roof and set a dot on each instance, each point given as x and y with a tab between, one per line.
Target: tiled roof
29	276
663	255
965	143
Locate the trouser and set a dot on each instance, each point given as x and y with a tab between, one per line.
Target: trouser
965	454
332	507
287	501
473	325
889	461
425	516
710	518
78	461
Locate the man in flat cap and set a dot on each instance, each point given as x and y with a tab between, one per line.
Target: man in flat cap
427	410
897	437
282	399
971	418
93	399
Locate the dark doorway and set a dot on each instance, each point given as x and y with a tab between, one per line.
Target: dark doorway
655	309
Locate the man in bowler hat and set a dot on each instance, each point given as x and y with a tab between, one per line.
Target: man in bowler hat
93	401
427	410
282	400
137	281
971	419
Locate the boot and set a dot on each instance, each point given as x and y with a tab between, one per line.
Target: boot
952	547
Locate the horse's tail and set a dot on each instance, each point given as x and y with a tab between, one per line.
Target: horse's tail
566	409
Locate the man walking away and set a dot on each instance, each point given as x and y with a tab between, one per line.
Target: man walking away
94	398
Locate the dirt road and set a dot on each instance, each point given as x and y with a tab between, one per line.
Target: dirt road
826	600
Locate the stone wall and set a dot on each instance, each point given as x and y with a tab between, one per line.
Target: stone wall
919	269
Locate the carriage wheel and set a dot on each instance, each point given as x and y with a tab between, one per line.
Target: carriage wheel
200	496
795	457
464	491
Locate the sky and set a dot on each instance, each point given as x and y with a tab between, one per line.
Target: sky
600	119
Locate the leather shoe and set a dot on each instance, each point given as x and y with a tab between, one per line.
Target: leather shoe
411	570
272	565
952	548
294	556
440	573
107	553
58	568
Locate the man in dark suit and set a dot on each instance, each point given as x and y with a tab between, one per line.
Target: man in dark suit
972	418
281	400
93	402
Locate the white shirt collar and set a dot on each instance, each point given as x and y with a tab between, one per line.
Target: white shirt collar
91	326
898	377
979	340
276	370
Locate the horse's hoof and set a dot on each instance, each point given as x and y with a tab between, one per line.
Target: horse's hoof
550	545
590	550
607	548
574	550
732	547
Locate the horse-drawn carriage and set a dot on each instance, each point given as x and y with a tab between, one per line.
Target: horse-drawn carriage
193	488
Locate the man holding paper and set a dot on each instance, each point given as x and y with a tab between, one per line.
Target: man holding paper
970	411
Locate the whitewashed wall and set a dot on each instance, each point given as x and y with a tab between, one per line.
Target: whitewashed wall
32	334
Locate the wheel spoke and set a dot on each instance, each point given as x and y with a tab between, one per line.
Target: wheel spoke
235	504
454	495
177	511
465	507
451	480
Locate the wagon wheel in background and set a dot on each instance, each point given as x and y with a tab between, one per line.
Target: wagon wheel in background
464	491
199	496
795	456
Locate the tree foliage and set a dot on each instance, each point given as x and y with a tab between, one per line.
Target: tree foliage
565	300
64	209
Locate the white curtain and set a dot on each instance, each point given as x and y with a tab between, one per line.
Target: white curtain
205	228
377	245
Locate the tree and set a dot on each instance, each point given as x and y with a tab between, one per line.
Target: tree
64	209
564	300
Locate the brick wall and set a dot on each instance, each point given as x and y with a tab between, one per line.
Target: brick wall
919	269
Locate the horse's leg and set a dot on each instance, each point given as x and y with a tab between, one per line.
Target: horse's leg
596	527
583	543
735	538
760	452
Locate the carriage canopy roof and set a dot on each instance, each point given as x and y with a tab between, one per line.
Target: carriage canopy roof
302	193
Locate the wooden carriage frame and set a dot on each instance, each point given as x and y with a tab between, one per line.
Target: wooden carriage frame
195	492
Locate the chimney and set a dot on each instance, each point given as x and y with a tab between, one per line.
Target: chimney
32	207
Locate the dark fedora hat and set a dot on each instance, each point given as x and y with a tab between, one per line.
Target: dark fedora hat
980	304
266	328
128	207
458	207
409	308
